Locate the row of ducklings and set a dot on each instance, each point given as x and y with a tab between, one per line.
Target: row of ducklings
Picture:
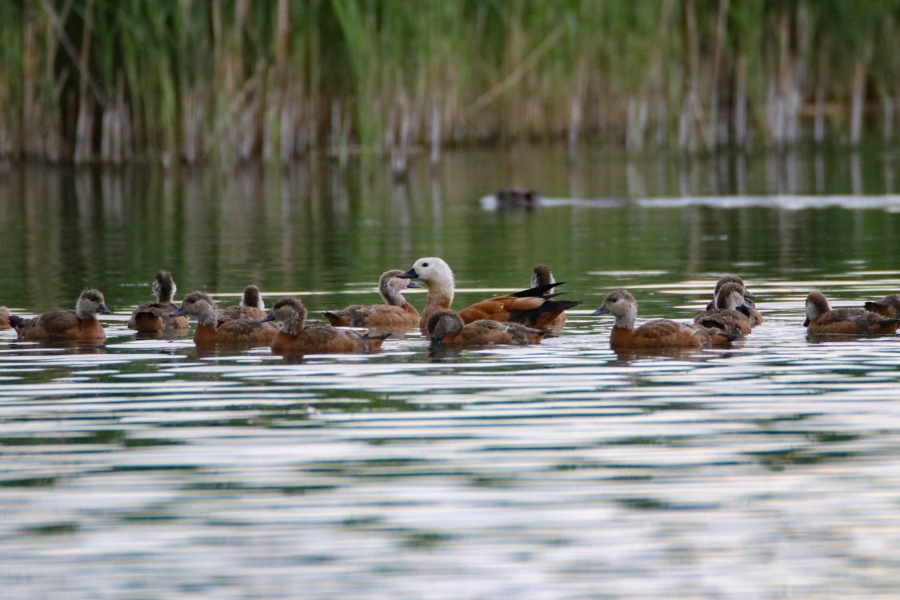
521	318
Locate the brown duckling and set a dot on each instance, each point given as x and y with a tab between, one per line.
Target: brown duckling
755	317
155	316
79	325
854	321
447	327
659	333
297	337
251	306
236	331
727	315
396	313
889	306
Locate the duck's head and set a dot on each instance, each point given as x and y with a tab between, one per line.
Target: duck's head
542	276
432	271
730	296
621	305
816	306
442	323
251	297
724	279
164	287
198	305
391	281
290	312
91	302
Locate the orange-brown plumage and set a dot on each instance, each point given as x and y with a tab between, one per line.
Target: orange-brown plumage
297	337
659	333
821	319
397	313
156	316
79	325
447	327
209	331
532	307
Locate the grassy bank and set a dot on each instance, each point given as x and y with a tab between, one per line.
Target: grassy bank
230	80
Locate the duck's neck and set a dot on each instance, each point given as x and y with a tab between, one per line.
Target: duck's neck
391	294
626	321
440	297
294	326
208	316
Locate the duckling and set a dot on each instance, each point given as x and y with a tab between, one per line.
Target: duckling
447	327
250	307
297	337
855	321
154	316
79	325
397	313
532	307
4	318
236	331
889	306
727	315
659	333
755	317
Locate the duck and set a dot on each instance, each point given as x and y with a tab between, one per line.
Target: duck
447	327
79	325
658	333
517	198
755	317
209	331
728	314
542	276
854	321
889	306
533	307
251	306
295	336
396	313
154	316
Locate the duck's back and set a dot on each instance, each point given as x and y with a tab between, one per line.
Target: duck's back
154	316
320	339
659	333
62	325
731	321
233	313
853	321
376	315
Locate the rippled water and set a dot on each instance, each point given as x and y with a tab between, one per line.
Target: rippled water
141	469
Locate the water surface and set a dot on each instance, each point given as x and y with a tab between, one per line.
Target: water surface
142	469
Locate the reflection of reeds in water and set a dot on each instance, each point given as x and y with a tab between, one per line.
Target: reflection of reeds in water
230	80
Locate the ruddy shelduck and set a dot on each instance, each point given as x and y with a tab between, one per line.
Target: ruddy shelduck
396	313
532	307
659	333
852	321
447	327
236	331
79	325
155	316
297	337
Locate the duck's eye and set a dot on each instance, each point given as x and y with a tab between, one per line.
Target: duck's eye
424	264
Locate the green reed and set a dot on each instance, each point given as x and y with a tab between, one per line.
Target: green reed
230	80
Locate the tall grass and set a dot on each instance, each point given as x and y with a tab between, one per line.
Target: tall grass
231	80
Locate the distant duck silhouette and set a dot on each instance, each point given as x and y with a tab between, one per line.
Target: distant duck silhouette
236	331
251	306
447	327
658	333
155	316
296	336
79	325
853	321
517	198
396	313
